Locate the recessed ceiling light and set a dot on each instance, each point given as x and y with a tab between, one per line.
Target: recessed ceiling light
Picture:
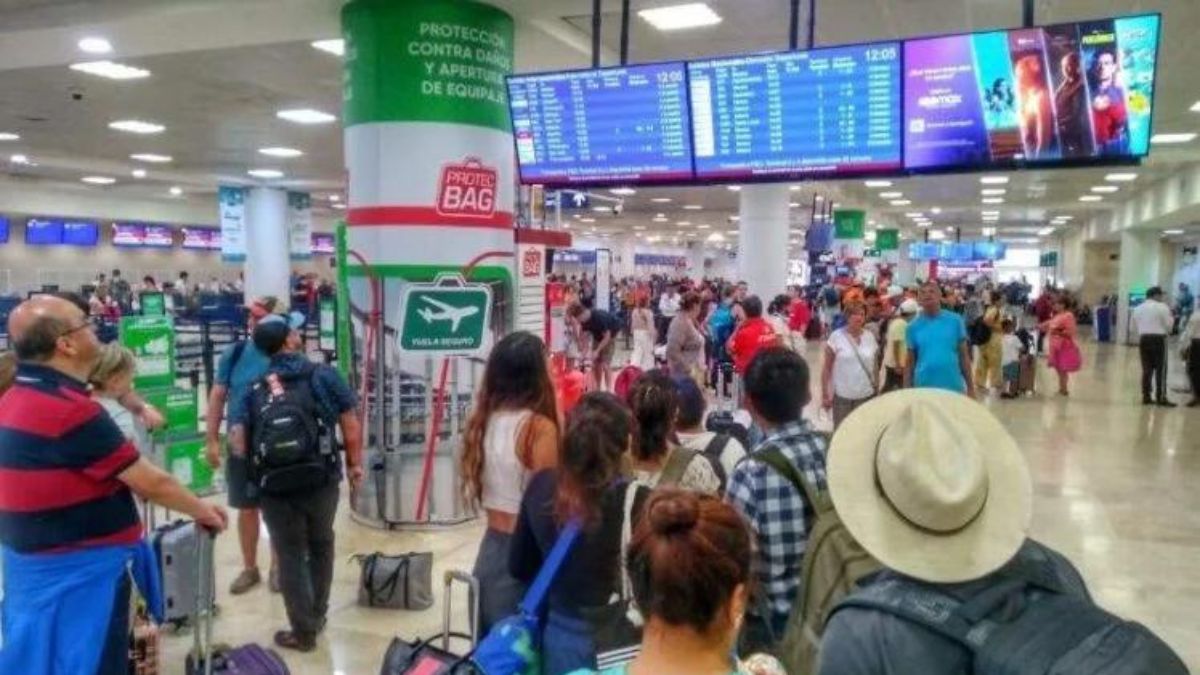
992	200
136	127
734	188
336	46
891	195
994	180
915	214
602	209
285	153
335	197
94	45
1172	231
793	205
639	227
989	231
1105	189
623	191
1090	198
692	207
991	213
110	70
715	237
819	198
703	226
9	136
265	173
305	116
878	183
794	188
138	173
99	180
587	220
993	192
661	200
1065	218
680	17
936	235
935	210
901	202
342	207
1045	232
19	159
1168	139
1120	177
176	191
683	223
150	157
735	218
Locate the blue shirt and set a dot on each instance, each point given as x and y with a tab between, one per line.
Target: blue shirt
935	340
333	395
239	377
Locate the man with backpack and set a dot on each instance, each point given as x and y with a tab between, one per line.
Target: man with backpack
287	435
932	484
762	489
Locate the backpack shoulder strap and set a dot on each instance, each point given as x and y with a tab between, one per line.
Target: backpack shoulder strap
716	446
239	348
773	457
676	466
532	602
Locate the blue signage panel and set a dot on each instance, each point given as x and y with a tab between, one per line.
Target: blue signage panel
824	112
615	125
43	232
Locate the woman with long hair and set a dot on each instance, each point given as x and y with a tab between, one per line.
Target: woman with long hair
589	487
658	459
512	434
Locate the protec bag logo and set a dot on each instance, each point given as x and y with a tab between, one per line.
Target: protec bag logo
467	189
531	263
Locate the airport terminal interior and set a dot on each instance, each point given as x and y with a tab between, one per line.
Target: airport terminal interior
419	178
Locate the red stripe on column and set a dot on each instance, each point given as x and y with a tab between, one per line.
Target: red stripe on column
424	216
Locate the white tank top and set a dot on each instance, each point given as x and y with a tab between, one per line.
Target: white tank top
504	476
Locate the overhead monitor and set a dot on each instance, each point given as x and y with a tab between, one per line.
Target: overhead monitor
323	244
825	112
610	126
43	232
80	233
159	236
5	226
990	250
128	234
923	250
201	238
1073	93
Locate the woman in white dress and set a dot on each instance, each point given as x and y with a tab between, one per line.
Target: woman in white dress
645	335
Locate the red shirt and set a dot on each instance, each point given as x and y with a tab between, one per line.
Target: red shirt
799	315
751	336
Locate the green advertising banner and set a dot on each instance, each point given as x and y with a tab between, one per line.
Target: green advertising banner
432	60
327	331
887	240
153	304
180	407
849	224
152	341
184	459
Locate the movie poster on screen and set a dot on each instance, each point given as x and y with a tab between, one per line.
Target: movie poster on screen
1068	80
300	224
998	96
1035	104
232	205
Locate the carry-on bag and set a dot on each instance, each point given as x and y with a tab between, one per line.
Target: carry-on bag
395	581
205	659
175	547
425	656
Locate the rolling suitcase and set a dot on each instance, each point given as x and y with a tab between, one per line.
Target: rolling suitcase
424	657
204	659
175	547
1027	374
723	420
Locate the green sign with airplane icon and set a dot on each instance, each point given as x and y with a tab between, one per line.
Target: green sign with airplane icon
448	317
152	341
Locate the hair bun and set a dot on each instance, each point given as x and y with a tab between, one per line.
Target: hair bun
675	513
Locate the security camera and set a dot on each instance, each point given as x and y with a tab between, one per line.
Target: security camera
731	219
76	94
618	208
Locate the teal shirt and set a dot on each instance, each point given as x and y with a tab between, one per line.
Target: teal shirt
936	341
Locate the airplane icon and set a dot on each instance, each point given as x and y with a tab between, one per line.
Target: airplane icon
447	313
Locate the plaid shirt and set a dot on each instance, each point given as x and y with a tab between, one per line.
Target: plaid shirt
778	514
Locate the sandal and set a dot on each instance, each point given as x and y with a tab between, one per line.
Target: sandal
290	640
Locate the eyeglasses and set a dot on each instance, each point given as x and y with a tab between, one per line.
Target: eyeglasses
65	333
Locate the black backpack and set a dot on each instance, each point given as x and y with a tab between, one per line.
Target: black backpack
979	332
1055	632
712	452
288	452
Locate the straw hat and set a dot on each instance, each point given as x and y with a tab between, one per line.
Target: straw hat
931	484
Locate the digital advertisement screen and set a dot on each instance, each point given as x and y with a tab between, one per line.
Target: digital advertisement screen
128	234
201	238
823	112
80	233
615	125
5	226
43	232
1065	93
323	244
159	236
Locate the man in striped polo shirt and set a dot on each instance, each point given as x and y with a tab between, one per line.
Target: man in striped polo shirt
69	528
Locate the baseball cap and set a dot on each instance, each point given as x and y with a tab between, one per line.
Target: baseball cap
294	320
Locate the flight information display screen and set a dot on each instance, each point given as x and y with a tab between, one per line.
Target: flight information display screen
1079	92
824	112
614	125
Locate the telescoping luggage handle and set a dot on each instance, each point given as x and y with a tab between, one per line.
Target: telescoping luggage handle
202	645
472	597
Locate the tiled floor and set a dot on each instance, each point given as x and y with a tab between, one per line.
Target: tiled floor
1117	490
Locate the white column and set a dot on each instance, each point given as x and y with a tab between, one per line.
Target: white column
268	259
625	251
1139	270
696	254
763	239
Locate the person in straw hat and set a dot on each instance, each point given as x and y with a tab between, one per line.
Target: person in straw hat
932	485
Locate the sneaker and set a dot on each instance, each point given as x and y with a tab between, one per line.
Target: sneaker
1165	404
1195	403
245	581
290	640
273	580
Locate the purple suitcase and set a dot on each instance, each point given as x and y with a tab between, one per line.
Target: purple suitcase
249	659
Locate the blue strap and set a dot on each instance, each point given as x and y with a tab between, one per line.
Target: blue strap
532	601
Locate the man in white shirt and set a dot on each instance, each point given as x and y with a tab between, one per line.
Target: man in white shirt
668	307
1153	322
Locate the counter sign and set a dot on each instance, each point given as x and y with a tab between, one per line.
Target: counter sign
467	190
